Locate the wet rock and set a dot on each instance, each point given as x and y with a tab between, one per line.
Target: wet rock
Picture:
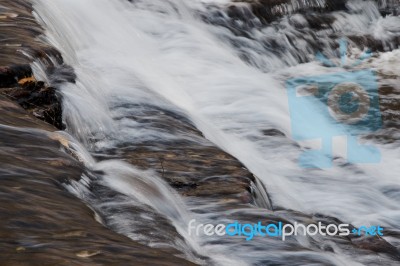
60	74
376	244
9	76
272	132
40	222
319	21
194	170
389	7
270	10
34	96
187	160
18	36
371	243
390	106
20	45
367	41
297	30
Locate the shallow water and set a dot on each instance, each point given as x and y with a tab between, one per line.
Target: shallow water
137	61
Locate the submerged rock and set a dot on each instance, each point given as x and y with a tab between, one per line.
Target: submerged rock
40	222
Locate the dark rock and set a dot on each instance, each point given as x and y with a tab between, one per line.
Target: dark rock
389	7
188	161
9	76
41	101
270	10
320	21
367	41
272	132
60	74
19	47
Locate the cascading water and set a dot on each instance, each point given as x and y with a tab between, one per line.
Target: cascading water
147	58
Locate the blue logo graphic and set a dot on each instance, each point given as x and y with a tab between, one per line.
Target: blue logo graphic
368	231
335	105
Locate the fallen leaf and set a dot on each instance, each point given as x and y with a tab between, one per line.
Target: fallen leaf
87	253
25	80
60	139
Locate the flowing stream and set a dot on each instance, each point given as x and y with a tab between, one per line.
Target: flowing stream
146	58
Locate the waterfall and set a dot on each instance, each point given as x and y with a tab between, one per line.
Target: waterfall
143	59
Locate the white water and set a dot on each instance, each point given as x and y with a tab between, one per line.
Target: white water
158	52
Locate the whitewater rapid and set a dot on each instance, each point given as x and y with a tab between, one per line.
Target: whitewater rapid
159	52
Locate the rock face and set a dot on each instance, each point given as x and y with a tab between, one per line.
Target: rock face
215	180
267	10
290	24
19	31
18	84
188	161
40	222
43	224
20	46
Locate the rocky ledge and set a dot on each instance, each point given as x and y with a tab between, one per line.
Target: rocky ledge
40	222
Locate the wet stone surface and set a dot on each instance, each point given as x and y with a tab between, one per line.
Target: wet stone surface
40	222
187	161
38	99
280	28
